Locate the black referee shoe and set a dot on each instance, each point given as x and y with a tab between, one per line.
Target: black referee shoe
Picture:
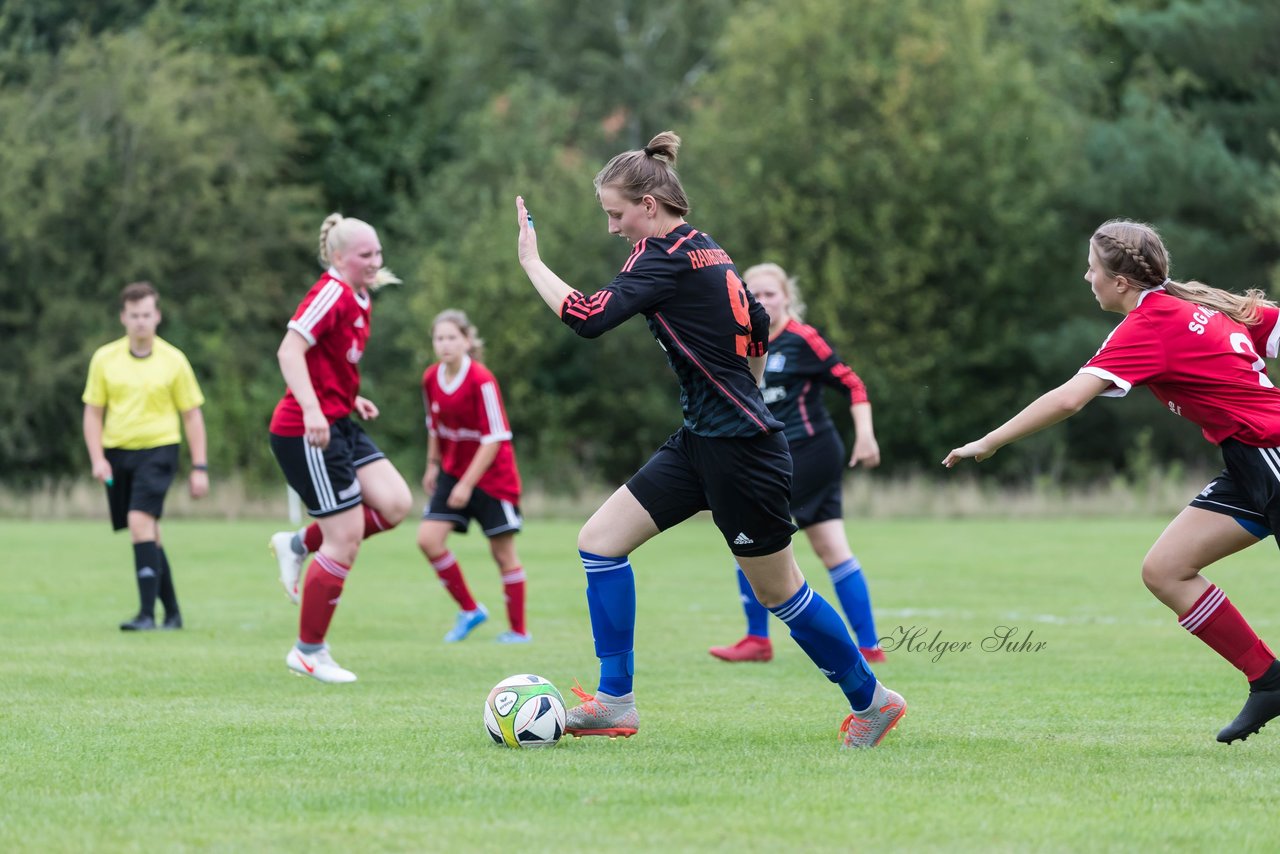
1261	707
140	623
172	621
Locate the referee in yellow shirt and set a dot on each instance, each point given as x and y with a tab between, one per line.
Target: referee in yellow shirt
138	387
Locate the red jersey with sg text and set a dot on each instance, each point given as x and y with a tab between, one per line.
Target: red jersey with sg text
1199	363
334	319
464	413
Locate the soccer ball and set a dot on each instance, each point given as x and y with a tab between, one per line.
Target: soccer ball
524	711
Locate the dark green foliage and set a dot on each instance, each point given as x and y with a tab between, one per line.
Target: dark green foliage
913	192
930	171
127	160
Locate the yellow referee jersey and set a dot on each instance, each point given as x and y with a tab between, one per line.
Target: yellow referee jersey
142	397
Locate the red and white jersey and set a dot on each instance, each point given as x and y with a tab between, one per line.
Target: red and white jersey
465	413
334	319
1198	362
1266	333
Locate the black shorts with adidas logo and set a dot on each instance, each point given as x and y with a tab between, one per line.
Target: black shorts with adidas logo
744	482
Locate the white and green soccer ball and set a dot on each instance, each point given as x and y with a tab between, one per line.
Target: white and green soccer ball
524	711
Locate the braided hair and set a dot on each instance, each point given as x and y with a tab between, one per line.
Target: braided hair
1134	250
334	233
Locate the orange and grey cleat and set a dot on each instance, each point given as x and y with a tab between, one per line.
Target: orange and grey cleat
602	714
869	727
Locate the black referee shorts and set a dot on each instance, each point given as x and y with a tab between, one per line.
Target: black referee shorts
745	483
326	479
139	481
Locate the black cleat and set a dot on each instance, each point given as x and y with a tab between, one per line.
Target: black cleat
172	621
140	623
1260	708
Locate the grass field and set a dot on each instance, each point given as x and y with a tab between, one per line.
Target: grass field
1102	739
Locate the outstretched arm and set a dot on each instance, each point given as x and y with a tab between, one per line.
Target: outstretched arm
1048	409
551	287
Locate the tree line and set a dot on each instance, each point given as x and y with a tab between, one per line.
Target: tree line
930	171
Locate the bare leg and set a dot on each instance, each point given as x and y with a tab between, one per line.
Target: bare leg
619	527
1193	540
385	490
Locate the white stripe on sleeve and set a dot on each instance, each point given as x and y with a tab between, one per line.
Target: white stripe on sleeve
320	306
498	430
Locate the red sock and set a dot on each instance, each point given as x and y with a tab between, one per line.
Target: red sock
374	523
312	538
1216	621
446	566
513	592
320	594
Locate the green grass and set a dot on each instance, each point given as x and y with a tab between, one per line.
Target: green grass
201	740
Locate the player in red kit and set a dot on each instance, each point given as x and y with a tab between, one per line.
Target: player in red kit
348	486
1200	351
471	473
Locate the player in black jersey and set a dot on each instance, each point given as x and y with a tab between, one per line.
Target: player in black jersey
799	366
730	456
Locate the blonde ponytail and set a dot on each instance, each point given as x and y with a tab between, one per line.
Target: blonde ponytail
334	232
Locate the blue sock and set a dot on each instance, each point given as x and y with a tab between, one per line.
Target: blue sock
821	633
757	614
611	600
851	590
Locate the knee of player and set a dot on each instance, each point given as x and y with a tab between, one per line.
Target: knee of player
342	550
592	541
397	506
431	539
1158	571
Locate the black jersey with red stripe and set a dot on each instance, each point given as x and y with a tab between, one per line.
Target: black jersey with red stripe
698	310
800	364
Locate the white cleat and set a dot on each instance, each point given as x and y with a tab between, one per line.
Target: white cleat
318	665
290	563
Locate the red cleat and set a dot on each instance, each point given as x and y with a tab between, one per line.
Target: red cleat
750	648
873	654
